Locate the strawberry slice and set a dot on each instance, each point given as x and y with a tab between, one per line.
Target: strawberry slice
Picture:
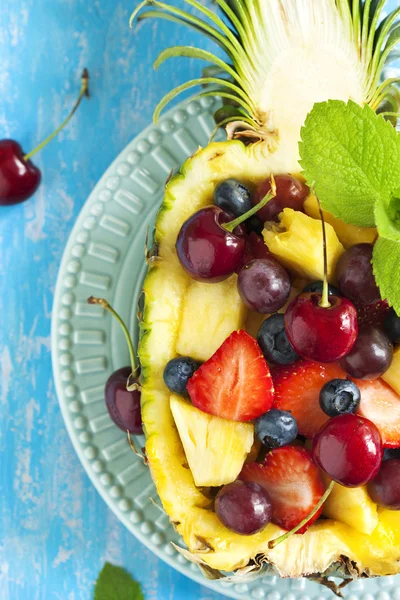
293	482
297	389
372	314
235	383
381	405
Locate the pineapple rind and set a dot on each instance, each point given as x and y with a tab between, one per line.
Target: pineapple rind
165	455
326	541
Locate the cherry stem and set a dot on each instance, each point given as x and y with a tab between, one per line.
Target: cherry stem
133	447
239	220
324	303
274	543
104	304
84	92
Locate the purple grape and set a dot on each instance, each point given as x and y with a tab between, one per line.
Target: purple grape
355	277
123	406
264	285
243	507
385	488
370	356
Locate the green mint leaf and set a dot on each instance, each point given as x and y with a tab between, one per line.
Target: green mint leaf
352	156
386	260
114	583
387	217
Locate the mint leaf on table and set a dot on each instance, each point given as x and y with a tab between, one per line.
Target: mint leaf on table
352	157
386	261
114	583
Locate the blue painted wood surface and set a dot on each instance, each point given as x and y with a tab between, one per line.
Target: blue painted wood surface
55	530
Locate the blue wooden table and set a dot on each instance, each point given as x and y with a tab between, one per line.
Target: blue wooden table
55	530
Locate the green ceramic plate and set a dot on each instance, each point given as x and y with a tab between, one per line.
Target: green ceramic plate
105	257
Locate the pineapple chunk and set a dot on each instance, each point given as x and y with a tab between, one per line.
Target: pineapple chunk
352	506
215	448
296	242
392	375
349	235
210	313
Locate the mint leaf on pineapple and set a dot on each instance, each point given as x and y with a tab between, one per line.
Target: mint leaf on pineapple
386	261
114	583
387	217
352	156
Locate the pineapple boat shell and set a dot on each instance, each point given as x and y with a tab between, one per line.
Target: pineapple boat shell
328	543
281	57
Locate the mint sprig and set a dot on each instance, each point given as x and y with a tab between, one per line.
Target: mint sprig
351	156
386	261
114	583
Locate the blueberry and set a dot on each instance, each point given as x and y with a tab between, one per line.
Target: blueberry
392	326
233	196
389	453
339	396
316	286
177	373
276	428
273	341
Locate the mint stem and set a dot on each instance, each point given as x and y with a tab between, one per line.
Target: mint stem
104	304
325	295
274	543
84	92
239	220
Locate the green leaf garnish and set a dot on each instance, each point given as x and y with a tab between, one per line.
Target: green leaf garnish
352	156
114	583
386	260
387	217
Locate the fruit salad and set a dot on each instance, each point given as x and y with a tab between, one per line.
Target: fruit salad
270	336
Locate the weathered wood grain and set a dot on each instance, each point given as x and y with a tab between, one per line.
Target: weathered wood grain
55	530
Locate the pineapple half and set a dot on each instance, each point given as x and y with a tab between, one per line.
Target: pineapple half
284	55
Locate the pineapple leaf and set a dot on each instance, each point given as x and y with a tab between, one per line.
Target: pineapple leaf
352	156
153	14
191	52
238	94
262	42
386	260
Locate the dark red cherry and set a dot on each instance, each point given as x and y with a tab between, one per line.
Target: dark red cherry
355	276
371	355
255	248
385	488
348	448
19	178
123	406
206	250
321	334
290	193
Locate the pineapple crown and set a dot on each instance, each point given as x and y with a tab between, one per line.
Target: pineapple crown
285	49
